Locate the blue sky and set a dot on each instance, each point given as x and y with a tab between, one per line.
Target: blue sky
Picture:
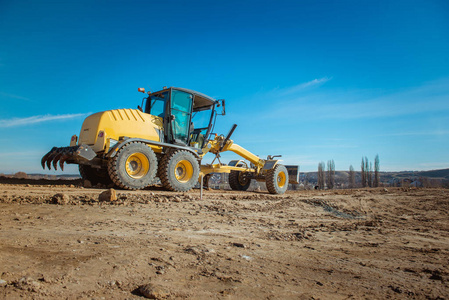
311	80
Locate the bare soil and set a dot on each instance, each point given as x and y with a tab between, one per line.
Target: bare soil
367	243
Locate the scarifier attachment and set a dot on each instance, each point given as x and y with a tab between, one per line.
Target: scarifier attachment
63	154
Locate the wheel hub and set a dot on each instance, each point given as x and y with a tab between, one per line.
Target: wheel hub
243	178
183	171
137	165
281	179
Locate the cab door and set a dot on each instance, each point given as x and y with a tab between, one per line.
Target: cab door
181	111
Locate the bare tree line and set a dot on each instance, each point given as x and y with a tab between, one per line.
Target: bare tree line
326	178
369	177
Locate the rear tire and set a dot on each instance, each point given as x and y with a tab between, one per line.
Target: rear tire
179	171
134	167
277	179
239	181
94	175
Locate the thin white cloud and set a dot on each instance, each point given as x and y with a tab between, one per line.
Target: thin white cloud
21	154
433	165
429	97
2	94
14	122
303	86
413	133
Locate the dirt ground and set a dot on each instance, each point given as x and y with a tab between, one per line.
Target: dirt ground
341	244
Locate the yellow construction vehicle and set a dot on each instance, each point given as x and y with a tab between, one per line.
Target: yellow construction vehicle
166	138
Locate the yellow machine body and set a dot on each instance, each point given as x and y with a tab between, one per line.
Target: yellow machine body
119	123
129	148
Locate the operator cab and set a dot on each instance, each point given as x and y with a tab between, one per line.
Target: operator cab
188	116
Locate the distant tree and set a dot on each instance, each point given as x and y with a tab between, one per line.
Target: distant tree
351	177
330	174
363	172
370	175
376	171
366	171
321	168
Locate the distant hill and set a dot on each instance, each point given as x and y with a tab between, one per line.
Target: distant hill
443	173
436	177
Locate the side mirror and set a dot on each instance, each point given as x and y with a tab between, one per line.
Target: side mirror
223	111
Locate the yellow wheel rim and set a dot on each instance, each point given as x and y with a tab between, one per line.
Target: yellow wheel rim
137	165
281	179
183	171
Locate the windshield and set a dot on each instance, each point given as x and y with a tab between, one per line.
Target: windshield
200	123
201	119
156	104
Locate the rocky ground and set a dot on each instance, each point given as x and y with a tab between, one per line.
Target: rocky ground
59	240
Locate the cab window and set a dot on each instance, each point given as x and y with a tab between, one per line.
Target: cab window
156	104
181	107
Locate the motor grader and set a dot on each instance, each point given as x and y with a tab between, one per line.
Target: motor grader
166	137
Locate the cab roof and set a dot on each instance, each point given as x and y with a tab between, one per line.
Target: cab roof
200	100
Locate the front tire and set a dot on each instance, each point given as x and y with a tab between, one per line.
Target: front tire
206	180
94	175
277	179
179	171
134	167
239	181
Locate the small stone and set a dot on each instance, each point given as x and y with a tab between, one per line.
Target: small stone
152	291
87	184
72	186
27	284
240	245
3	282
385	190
60	199
108	196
